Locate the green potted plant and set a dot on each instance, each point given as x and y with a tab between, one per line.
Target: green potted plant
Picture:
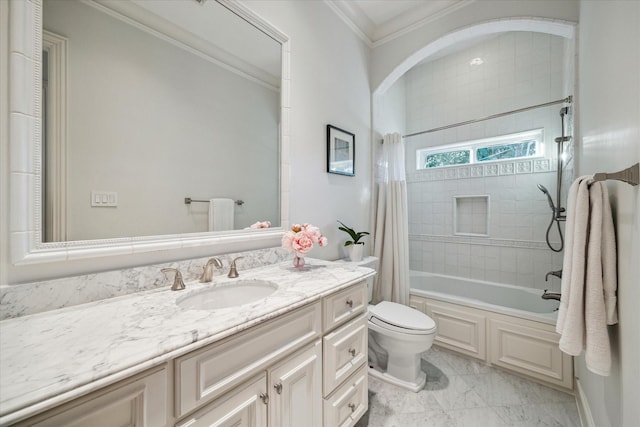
354	246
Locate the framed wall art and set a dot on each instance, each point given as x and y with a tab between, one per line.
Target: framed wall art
341	151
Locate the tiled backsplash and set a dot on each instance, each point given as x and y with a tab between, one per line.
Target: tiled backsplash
36	297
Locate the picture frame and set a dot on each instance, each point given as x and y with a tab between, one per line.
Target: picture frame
341	151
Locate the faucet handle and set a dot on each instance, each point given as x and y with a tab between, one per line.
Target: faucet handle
178	283
233	271
207	273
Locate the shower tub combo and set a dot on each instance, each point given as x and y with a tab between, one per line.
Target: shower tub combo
502	325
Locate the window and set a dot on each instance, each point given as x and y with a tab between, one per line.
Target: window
506	147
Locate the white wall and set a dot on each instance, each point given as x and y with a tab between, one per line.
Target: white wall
609	123
156	124
519	69
329	85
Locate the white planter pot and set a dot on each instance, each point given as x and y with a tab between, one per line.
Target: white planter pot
355	252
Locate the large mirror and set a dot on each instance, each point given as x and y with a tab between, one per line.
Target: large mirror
143	106
161	103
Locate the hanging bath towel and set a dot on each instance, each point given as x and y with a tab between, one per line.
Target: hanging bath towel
221	214
589	278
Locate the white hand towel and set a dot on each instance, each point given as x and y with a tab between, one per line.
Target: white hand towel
589	279
221	214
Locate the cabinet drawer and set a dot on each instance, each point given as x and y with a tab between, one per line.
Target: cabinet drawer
205	374
343	305
344	350
349	402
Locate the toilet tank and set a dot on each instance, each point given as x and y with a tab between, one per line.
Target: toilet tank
369	262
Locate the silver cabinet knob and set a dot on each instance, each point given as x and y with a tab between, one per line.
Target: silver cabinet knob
352	406
350	302
353	352
264	397
278	388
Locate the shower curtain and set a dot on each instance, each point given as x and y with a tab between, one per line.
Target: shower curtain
391	243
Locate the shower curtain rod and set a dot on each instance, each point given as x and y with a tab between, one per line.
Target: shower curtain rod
566	100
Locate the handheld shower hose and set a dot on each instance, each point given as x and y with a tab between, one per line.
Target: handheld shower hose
554	217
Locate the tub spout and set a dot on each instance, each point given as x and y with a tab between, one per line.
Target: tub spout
558	274
551	295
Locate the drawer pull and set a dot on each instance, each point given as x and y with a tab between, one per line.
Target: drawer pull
350	302
352	406
264	397
353	352
278	388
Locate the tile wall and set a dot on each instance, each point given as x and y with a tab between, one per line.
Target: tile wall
520	69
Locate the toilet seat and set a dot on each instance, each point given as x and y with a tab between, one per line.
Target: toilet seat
400	318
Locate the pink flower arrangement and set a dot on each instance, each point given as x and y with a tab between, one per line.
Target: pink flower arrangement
260	224
301	238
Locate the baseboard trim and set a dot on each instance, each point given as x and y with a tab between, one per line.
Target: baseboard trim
584	411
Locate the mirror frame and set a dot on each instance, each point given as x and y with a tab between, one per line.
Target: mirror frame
25	129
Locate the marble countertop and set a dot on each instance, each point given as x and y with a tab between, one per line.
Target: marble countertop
52	357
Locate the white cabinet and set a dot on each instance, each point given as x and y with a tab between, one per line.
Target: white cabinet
349	402
242	407
140	401
345	356
204	375
345	350
296	390
294	370
288	392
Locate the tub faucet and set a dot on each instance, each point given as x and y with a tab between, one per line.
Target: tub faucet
551	295
207	274
558	274
233	271
178	283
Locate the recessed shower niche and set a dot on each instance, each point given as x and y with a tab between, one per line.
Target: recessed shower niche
471	215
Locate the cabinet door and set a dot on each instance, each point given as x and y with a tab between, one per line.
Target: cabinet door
245	406
139	402
296	389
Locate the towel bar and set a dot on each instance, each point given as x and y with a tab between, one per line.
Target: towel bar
189	200
629	175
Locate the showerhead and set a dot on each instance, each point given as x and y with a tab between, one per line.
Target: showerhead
549	199
564	111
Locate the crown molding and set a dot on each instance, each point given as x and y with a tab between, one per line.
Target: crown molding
375	36
357	22
403	24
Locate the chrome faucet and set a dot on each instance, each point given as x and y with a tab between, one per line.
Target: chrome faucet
558	274
551	295
178	283
233	271
207	274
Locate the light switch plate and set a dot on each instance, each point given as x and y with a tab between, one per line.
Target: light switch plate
104	199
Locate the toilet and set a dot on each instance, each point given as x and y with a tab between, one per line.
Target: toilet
397	336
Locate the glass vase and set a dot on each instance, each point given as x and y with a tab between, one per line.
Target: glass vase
298	261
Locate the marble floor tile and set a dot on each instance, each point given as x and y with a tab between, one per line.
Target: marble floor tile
476	417
464	392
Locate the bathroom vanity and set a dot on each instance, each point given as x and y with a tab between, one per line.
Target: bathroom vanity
296	357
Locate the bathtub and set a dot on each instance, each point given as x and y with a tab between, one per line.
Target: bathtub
507	326
496	297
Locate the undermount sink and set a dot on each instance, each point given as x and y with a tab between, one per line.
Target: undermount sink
231	294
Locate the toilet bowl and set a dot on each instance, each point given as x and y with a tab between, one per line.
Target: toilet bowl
397	336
